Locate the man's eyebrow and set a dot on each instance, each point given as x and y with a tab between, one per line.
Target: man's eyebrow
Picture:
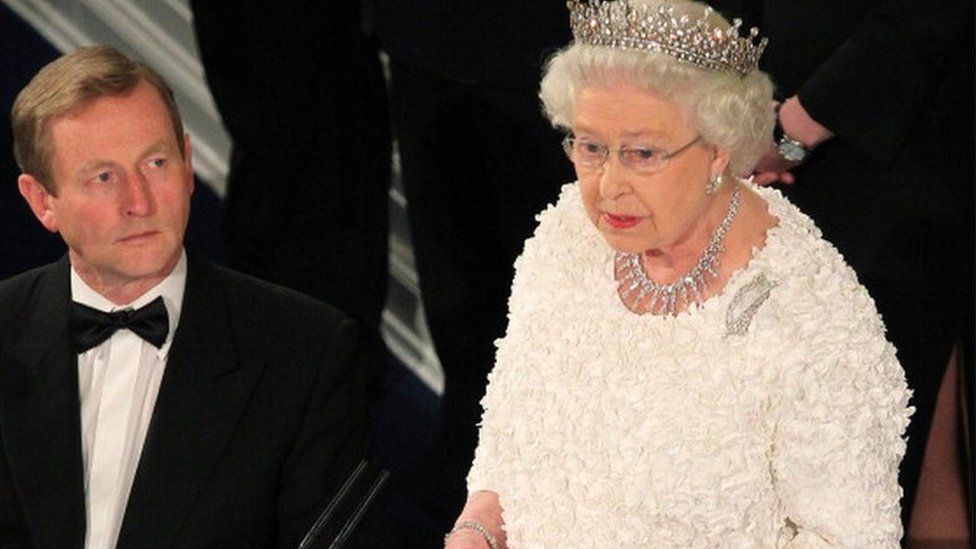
92	166
158	146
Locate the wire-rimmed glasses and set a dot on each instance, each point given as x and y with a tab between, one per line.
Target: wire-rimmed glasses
592	155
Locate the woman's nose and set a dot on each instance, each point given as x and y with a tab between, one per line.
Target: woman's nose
613	177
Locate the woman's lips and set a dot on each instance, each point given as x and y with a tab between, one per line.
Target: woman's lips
621	221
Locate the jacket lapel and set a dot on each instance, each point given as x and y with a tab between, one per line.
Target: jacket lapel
40	415
203	394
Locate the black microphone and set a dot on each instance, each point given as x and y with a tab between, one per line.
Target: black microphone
338	505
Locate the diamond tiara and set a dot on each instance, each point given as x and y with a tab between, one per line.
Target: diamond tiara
621	25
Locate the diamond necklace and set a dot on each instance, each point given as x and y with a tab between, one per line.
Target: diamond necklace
652	297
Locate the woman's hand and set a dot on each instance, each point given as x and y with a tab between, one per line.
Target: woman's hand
482	508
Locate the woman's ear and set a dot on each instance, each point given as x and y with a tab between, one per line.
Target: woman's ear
721	161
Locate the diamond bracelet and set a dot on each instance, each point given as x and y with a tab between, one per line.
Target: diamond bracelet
478	527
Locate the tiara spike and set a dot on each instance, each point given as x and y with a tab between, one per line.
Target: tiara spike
622	25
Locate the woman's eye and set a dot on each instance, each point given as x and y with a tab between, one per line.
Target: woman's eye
645	154
591	148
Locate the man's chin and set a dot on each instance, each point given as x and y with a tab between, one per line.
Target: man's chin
146	266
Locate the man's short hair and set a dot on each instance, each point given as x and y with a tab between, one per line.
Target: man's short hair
67	85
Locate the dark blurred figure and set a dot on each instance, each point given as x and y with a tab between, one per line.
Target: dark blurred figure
479	161
888	87
25	244
301	92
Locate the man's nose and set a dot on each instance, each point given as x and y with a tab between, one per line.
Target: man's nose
138	198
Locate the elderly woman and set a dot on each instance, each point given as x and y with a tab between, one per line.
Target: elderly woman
687	363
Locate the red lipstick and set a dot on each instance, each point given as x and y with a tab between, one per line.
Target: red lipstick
621	221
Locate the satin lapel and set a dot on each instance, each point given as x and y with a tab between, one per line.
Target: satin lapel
40	415
203	394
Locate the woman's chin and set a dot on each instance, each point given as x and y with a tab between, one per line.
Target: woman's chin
624	244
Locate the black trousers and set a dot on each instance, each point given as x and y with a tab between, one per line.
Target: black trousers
478	164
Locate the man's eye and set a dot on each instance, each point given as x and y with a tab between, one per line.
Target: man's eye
103	177
157	162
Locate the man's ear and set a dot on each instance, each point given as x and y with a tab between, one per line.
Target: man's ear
188	161
39	200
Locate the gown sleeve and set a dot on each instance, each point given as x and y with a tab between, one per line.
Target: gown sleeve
841	417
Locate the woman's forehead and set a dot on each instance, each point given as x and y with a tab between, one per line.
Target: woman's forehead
626	111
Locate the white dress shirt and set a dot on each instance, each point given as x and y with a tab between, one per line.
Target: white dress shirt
118	382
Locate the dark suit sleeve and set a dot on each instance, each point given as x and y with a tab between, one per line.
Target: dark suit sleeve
872	89
13	529
331	442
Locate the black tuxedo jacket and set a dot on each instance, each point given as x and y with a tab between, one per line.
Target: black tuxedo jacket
259	417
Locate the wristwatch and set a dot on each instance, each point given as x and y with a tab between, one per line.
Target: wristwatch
790	149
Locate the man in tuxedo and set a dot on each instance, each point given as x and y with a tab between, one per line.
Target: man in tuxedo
148	398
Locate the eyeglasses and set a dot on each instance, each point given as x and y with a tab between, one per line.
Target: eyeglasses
592	155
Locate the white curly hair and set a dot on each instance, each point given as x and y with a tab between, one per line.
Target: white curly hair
729	111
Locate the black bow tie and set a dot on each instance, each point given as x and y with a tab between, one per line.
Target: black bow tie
89	327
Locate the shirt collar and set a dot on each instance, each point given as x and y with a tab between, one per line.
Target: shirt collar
170	288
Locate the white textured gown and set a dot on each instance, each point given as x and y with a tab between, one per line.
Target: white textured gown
770	416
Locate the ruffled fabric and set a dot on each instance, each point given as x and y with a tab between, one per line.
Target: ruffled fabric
606	429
